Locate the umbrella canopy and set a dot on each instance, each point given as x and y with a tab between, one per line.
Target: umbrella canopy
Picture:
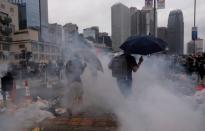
143	45
90	58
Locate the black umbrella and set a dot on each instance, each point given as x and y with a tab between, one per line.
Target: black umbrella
143	45
90	58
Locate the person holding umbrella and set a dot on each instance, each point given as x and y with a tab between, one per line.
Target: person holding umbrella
123	65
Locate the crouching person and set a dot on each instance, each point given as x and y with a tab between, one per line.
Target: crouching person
74	69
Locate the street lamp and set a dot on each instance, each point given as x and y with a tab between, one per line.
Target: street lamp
194	24
194	13
155	10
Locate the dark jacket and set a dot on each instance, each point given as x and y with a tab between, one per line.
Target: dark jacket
7	82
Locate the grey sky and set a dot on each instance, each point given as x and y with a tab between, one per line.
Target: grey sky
86	13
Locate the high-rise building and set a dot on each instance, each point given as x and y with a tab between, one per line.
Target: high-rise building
135	20
142	22
44	12
70	30
29	13
104	38
198	45
176	32
8	25
91	33
162	33
120	24
147	22
132	10
34	14
53	34
44	25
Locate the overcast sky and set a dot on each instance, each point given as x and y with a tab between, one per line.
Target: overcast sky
86	13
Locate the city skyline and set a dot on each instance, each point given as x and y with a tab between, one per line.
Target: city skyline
78	12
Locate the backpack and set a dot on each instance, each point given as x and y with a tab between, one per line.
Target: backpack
118	66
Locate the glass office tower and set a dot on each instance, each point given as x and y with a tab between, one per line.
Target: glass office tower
29	13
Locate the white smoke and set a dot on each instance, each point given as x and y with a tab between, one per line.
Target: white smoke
24	118
157	102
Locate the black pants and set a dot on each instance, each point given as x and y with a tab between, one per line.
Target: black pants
125	86
4	98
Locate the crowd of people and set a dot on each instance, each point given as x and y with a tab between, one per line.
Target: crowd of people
33	69
193	64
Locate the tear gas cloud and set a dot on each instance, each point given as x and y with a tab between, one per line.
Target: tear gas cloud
158	101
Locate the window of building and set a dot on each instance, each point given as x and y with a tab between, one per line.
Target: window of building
46	49
21	46
35	57
53	49
6	47
2	6
34	47
12	10
41	48
16	56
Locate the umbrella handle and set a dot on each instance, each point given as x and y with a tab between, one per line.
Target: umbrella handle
141	60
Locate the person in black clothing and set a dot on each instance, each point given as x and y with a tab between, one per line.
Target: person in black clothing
125	81
60	65
6	85
200	69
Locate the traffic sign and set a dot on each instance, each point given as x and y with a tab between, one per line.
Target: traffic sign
194	33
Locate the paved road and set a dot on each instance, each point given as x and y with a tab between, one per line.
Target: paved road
39	88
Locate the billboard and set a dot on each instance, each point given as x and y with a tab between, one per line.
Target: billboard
160	4
148	3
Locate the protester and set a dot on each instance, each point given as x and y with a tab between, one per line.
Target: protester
7	84
122	67
194	65
60	65
74	69
200	69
